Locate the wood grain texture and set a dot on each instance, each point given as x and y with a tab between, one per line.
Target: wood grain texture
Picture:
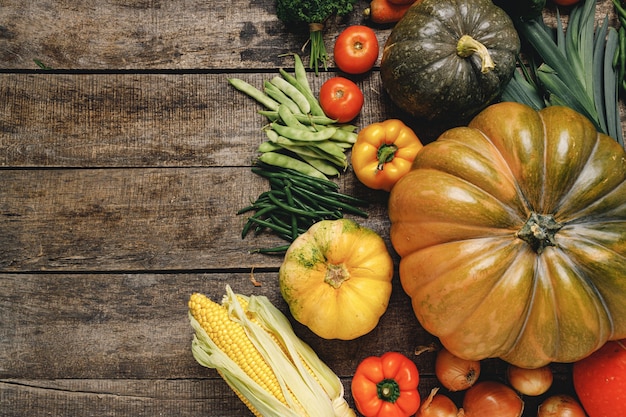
157	34
121	120
67	348
121	171
73	351
66	326
149	34
138	219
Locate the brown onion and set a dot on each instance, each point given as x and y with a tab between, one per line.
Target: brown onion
437	405
530	381
454	373
560	406
491	399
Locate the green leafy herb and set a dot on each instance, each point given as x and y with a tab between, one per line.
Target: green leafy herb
313	13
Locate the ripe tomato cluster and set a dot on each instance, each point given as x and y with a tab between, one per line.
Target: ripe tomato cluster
355	52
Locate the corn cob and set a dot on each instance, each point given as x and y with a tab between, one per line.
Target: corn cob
252	346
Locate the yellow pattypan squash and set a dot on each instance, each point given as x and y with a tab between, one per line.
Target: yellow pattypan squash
336	279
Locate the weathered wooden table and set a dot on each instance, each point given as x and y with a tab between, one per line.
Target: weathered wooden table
122	167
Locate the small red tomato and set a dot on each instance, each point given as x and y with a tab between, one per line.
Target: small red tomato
341	99
356	49
600	381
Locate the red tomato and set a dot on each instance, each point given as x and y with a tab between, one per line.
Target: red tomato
341	99
600	381
356	49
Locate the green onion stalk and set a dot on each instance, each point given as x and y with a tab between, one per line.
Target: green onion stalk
571	67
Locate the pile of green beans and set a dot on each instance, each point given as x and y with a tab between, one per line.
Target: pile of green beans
294	203
298	128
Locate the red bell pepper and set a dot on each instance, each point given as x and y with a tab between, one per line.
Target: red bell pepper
386	386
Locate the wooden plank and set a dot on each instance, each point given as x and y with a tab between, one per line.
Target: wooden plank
151	119
110	326
120	344
126	120
140	34
167	397
118	120
143	35
138	219
124	398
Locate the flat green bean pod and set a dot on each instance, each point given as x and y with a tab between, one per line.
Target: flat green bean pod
316	109
321	165
288	117
307	119
343	135
302	134
274	92
254	93
268	146
293	93
300	73
284	161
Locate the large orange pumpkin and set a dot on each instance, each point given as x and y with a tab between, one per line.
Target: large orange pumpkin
512	236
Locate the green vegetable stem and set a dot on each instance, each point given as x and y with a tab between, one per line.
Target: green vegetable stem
575	67
313	13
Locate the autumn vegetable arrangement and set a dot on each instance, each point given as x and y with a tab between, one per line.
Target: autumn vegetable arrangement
509	228
304	147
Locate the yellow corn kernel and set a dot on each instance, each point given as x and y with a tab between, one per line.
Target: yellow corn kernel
231	338
252	346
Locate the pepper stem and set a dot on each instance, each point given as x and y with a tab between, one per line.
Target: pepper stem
467	46
388	390
385	154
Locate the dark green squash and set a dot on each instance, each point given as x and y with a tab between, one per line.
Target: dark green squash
432	67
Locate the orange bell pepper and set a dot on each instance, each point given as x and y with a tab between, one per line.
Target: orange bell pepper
383	153
386	386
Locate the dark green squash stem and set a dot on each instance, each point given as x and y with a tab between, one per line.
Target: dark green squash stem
467	46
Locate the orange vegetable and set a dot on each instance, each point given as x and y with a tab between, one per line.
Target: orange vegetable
336	279
384	11
520	217
402	1
386	386
383	153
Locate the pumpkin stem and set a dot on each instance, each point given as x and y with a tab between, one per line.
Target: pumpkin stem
467	46
539	231
336	275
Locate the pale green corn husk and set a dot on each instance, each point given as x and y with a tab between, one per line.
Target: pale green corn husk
316	399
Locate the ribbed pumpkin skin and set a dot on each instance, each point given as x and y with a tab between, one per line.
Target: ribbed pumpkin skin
456	222
336	279
420	67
